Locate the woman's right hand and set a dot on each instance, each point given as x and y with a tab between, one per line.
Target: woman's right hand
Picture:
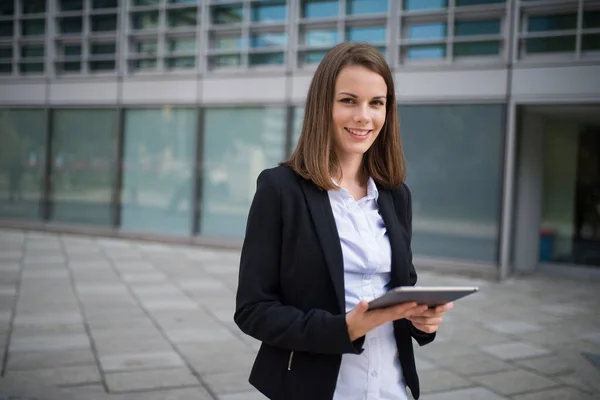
360	320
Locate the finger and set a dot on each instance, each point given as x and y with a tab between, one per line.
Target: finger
444	307
362	307
426	321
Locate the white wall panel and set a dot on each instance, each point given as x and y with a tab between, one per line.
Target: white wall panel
83	92
556	82
244	90
157	91
27	93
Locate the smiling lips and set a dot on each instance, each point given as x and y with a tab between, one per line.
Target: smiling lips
358	133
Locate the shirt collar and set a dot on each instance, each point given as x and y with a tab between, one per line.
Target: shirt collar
372	191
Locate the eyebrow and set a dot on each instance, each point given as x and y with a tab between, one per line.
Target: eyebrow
355	96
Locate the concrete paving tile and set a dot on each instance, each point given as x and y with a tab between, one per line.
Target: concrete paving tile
586	382
49	343
5	316
475	393
60	376
6	290
207	335
208	284
50	359
181	304
101	288
514	382
547	365
134	266
50	330
9	267
45	274
44	258
253	395
193	393
192	350
439	350
226	362
479	364
513	327
47	318
10	277
138	361
555	394
118	346
165	289
562	310
154	379
515	351
93	264
437	380
230	382
144	277
11	255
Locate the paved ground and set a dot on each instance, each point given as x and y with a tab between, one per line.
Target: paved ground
102	318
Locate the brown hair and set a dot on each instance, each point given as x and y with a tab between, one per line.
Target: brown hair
314	158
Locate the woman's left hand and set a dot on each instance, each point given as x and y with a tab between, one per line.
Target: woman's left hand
429	320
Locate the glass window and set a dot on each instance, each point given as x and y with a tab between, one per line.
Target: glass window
7	8
103	48
590	42
227	14
145	20
226	60
34	27
320	8
22	162
71	25
321	37
427	51
466	143
266	58
269	11
5	68
158	171
227	42
72	50
145	2
6	52
101	66
71	5
32	51
182	1
482	27
430	30
238	144
366	34
185	17
184	45
259	40
483	48
105	3
6	29
550	44
591	19
414	5
145	64
69	66
460	3
34	6
27	68
552	23
314	56
83	165
144	46
180	62
355	7
104	23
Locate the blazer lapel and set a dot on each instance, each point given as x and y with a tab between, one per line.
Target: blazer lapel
322	216
388	213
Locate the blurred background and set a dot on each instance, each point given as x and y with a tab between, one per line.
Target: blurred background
153	118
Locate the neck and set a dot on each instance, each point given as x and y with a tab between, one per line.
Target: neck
351	171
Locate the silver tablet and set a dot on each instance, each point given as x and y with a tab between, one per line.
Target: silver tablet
430	295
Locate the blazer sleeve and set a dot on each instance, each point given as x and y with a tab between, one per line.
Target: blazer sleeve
259	310
421	337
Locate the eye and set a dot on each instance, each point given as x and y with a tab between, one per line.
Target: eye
347	100
378	103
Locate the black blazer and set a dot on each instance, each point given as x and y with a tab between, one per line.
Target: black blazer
291	287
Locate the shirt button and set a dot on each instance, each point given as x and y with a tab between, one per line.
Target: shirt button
374	374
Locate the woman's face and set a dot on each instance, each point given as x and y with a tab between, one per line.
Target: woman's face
358	110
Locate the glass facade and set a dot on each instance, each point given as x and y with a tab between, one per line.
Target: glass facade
466	143
83	166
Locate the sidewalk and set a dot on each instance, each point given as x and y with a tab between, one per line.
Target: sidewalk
98	318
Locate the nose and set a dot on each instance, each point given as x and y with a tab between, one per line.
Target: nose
362	114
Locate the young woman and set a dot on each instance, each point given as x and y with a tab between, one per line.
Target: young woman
328	231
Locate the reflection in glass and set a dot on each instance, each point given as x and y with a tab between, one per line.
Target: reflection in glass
145	2
83	164
6	28
33	27
143	64
69	66
32	51
591	19
145	20
413	5
483	48
590	42
142	46
72	50
226	60
101	66
320	8
430	30
22	159
268	11
6	68
266	58
104	23
314	56
259	40
159	153
460	3
31	68
552	23
480	27
550	44
105	3
227	42
103	48
366	34
33	6
239	143
321	37
180	62
447	157
5	52
71	25
426	51
227	14
7	8
355	7
180	18
71	5
182	45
